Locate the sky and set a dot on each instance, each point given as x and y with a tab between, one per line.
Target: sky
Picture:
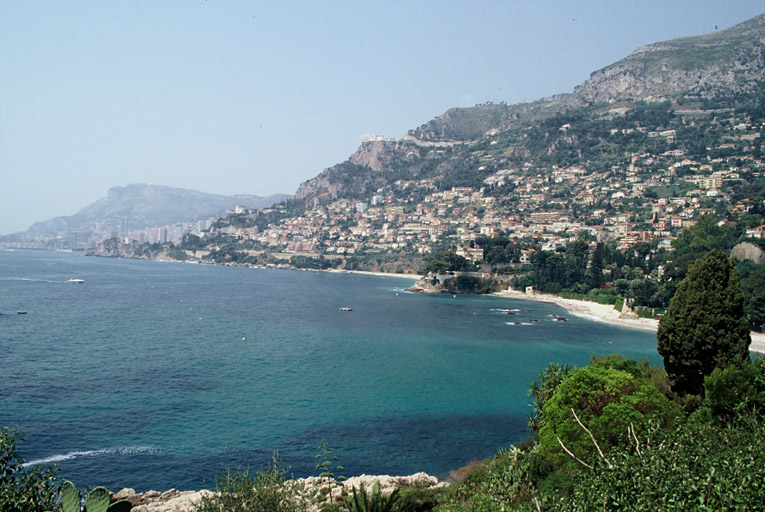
255	97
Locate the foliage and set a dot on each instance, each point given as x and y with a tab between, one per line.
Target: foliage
608	396
445	262
24	489
418	499
376	502
544	388
697	464
736	388
692	243
695	467
177	254
97	500
314	263
327	466
754	290
500	482
705	326
270	491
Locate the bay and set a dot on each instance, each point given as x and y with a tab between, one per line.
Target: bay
156	375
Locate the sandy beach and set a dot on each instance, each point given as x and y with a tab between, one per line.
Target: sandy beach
607	313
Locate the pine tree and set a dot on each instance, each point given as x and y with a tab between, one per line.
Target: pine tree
705	326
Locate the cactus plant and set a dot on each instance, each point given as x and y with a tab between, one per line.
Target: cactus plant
70	497
97	500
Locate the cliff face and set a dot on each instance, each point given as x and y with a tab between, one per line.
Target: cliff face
382	155
726	63
359	175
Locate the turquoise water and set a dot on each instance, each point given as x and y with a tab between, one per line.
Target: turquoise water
155	375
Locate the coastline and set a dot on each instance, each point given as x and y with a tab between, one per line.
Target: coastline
607	313
416	277
582	308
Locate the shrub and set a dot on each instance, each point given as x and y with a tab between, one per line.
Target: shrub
270	490
737	387
24	489
376	502
608	397
695	467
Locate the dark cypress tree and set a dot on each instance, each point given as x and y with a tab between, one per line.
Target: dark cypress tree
705	326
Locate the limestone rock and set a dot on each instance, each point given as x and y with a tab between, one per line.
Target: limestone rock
748	251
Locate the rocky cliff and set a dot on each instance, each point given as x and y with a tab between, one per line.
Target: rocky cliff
726	63
360	174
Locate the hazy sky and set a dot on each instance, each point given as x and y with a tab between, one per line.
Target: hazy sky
256	97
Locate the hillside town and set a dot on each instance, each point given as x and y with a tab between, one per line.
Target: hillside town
644	197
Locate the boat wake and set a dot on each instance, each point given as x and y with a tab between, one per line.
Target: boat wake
122	450
28	279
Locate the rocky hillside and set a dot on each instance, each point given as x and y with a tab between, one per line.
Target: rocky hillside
727	63
149	205
719	69
722	64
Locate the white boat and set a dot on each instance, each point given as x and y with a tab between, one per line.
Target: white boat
346	309
78	281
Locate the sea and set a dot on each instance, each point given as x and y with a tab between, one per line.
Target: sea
159	375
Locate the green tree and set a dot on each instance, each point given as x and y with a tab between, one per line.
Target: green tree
705	326
740	386
692	243
754	291
608	397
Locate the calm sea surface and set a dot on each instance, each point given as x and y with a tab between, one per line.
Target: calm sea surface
156	375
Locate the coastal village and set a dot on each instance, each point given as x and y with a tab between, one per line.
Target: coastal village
645	197
637	200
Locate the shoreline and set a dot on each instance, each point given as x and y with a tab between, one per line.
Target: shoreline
606	313
416	277
581	308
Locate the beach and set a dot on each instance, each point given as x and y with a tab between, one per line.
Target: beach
607	313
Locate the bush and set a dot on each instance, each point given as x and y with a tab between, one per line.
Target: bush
735	388
374	502
696	467
24	489
269	491
608	396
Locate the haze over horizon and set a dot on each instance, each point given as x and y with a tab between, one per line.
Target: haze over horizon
255	98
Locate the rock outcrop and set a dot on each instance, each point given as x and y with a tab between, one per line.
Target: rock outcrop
187	501
317	485
748	251
168	501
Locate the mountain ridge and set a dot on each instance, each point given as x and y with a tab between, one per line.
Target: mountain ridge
724	64
147	206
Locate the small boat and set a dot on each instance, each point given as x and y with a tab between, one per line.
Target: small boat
22	312
346	309
78	281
